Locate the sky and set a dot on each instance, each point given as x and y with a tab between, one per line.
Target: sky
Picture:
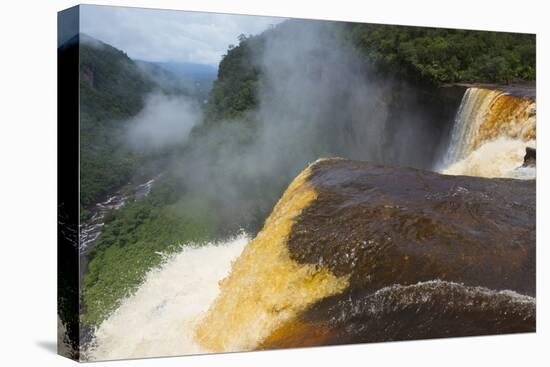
169	35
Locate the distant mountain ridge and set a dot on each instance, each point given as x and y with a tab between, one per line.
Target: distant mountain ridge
194	79
189	69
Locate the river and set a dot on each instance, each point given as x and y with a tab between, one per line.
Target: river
90	229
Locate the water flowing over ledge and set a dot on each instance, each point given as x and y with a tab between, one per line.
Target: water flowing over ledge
266	287
432	309
492	129
160	318
348	230
356	252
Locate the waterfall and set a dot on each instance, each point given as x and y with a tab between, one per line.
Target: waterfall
266	288
220	297
231	296
490	134
159	319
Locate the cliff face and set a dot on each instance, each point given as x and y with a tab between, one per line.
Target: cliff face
374	253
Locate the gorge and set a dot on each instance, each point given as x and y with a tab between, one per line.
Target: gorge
341	183
356	252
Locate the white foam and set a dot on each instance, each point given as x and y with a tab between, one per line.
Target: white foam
159	319
494	150
502	157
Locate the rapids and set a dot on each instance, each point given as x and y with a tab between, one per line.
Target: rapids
501	157
160	318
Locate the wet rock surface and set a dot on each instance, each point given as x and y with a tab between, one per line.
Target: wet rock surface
530	159
427	255
427	310
522	90
384	226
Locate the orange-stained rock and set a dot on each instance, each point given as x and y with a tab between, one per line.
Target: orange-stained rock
427	255
355	252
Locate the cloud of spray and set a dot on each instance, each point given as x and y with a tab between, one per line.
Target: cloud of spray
317	98
166	120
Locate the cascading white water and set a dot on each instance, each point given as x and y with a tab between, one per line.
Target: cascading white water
490	134
160	318
470	115
175	306
501	157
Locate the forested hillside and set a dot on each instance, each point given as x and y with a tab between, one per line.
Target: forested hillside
420	55
112	89
235	88
439	55
238	162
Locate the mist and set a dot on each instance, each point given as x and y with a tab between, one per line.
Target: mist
317	98
166	120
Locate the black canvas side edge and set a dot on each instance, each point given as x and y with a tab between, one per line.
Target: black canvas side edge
68	183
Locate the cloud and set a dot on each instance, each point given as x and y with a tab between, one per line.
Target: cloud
164	121
316	98
169	35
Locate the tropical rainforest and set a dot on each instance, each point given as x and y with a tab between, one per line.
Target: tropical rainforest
181	207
